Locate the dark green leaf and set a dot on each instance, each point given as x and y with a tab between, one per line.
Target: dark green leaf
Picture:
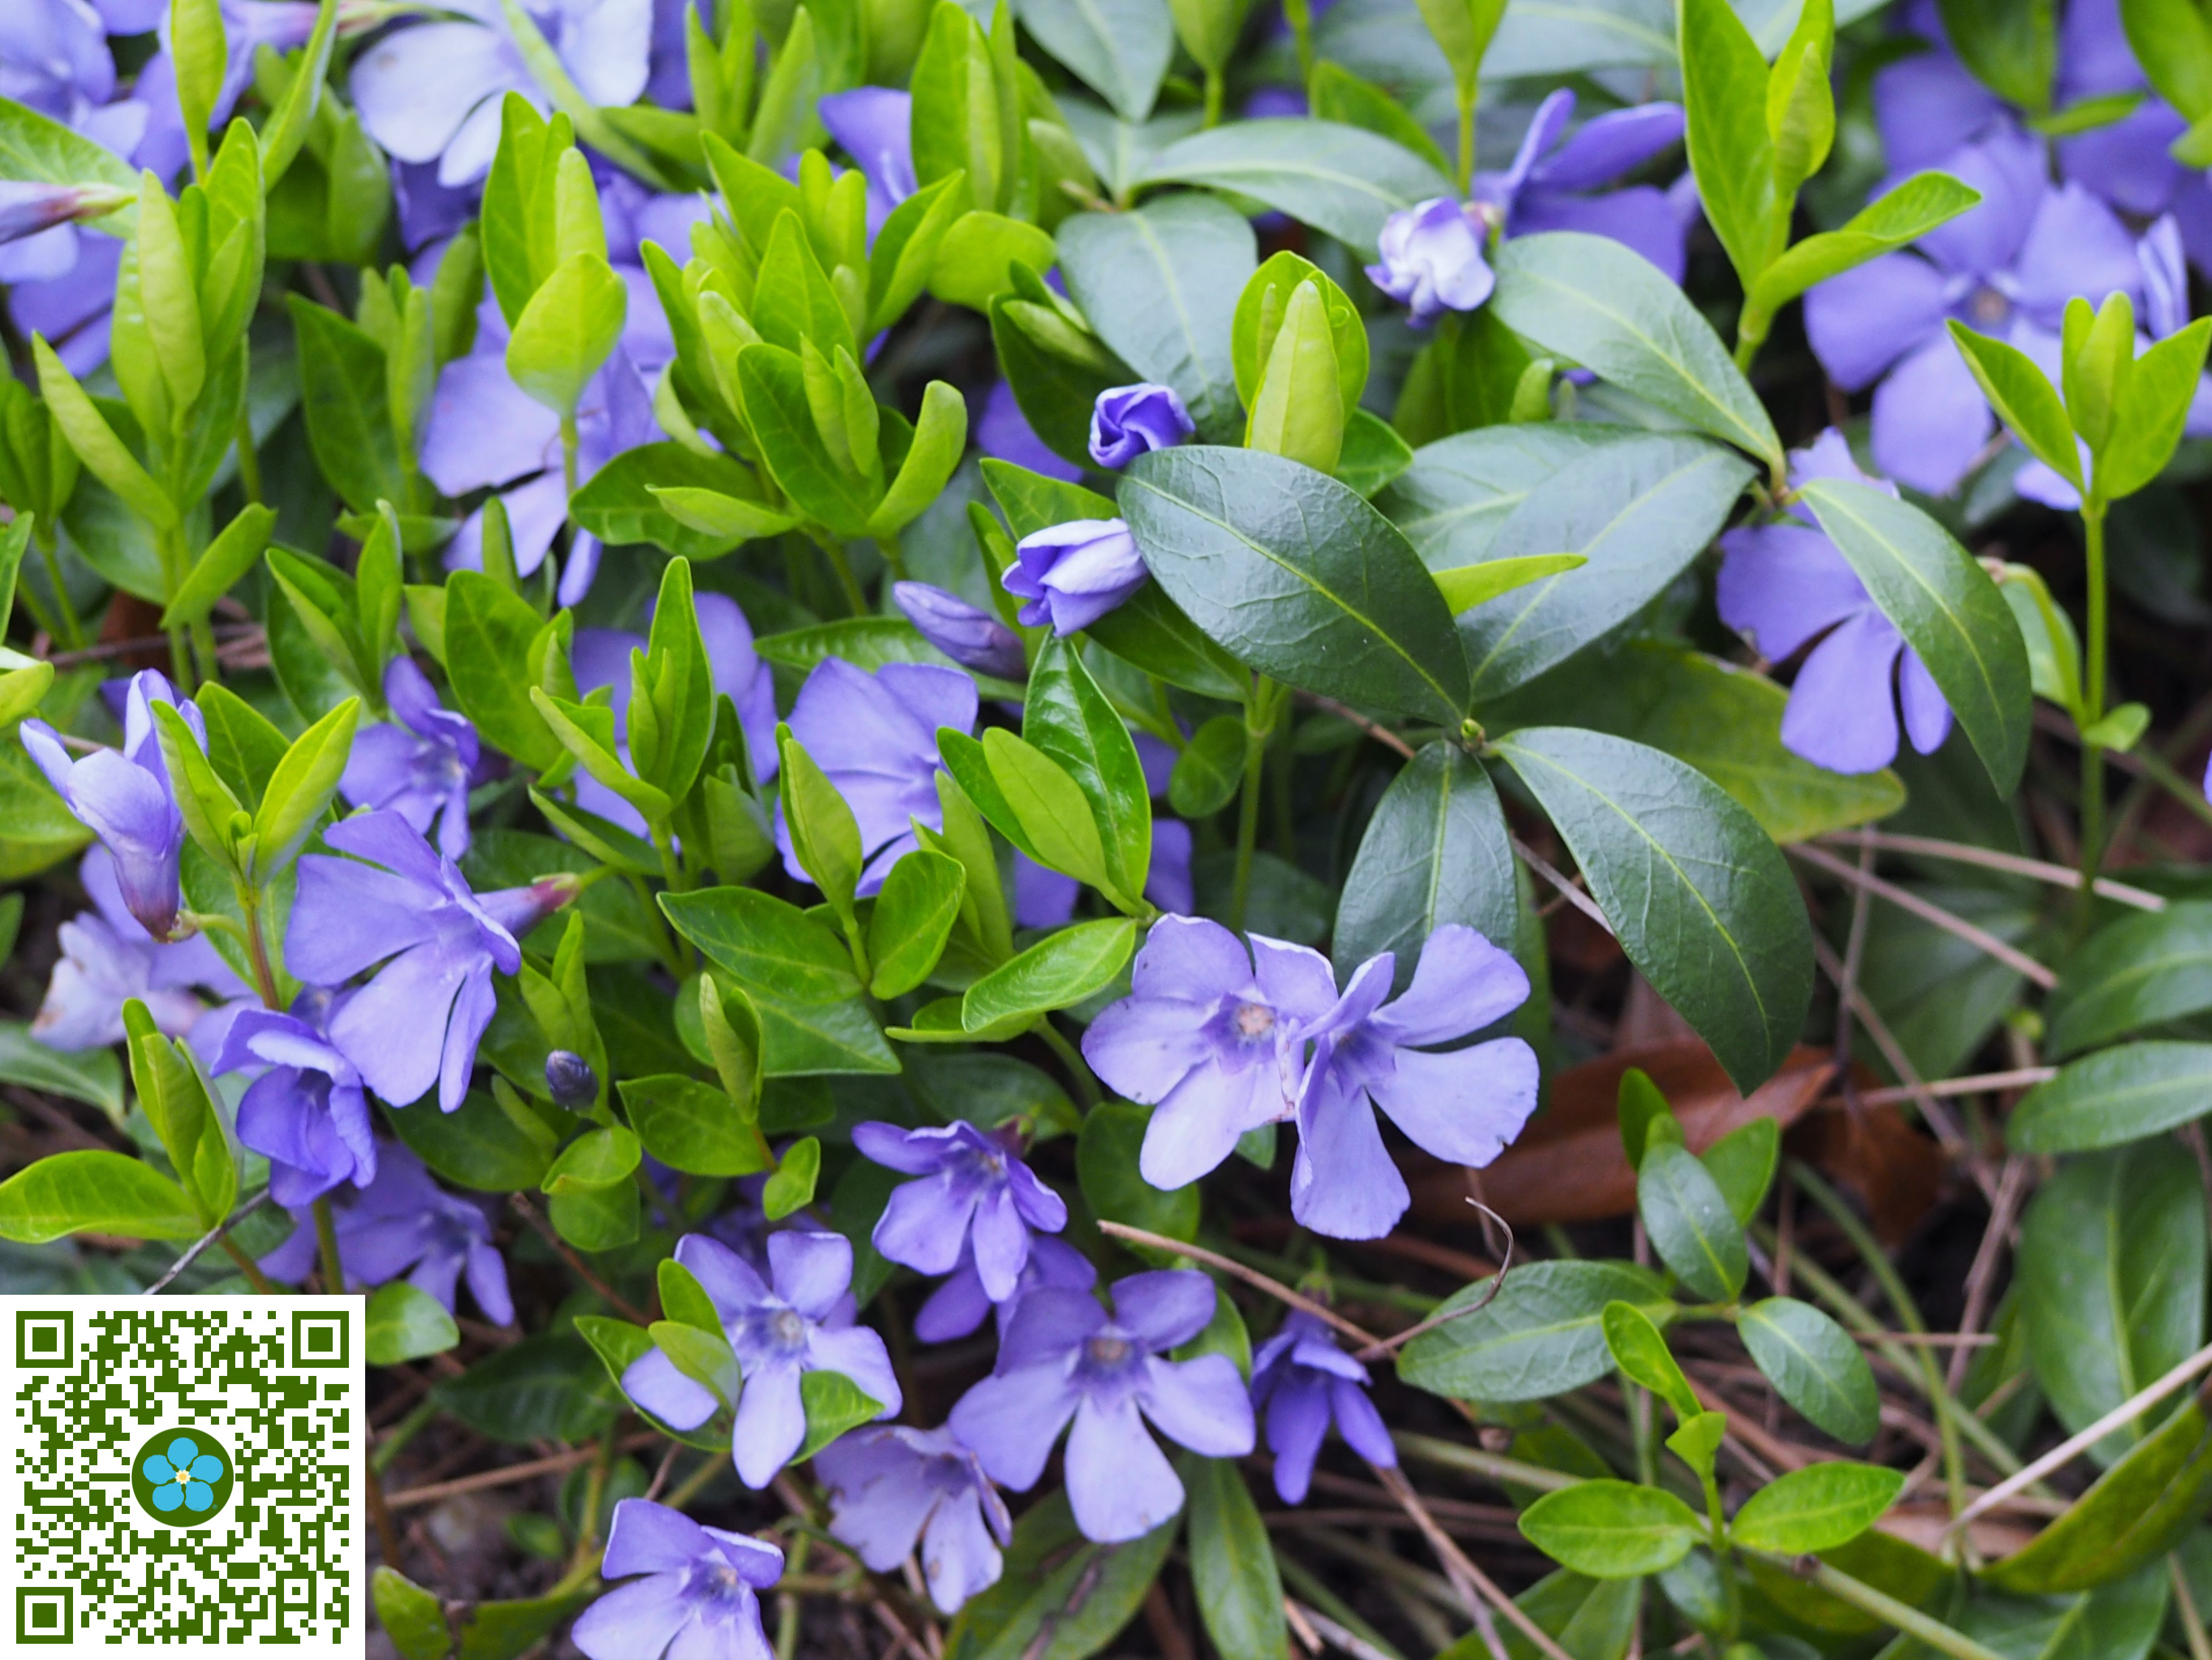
1060	969
549	1387
489	631
1106	1166
2143	971
1068	718
1438	850
92	1076
2115	1096
344	402
1540	1336
1690	1223
1232	1565
1060	1597
1210	768
693	1127
406	1323
481	1146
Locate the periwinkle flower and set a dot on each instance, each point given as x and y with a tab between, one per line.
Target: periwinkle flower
27	209
306	1113
1003	432
1463	1106
973	1195
1552	185
421	764
1786	583
402	1222
1128	421
54	55
959	1304
1072	575
1065	1358
1431	260
892	1487
873	125
971	637
126	799
699	1597
1210	1036
1301	1380
874	735
570	1080
432	91
417	1022
107	958
799	1319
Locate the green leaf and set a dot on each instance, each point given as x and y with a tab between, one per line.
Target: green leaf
1701	899
483	1146
1232	1565
643	494
1741	1163
1901	214
2134	1513
299	791
1118	48
1436	850
1591	300
1160	287
1060	969
1072	722
1060	1597
96	443
1815	1509
1947	610
175	1094
715	516
1613	1530
694	1127
1295	409
1467	586
1643	1116
1106	1169
1336	179
1298	577
824	835
1541	1334
1463	30
1690	1223
413	1618
226	559
915	913
36	149
1724	94
792	1187
904	254
834	1403
490	634
1639	1351
978	248
92	1076
1150	631
1638	511
406	1323
2013	49
1056	370
600	1158
344	398
286	129
548	1387
2153	411
1211	767
1034	803
939	437
2024	400
1451	501
567	331
94	1192
2113	1097
772	385
2111	1269
798	973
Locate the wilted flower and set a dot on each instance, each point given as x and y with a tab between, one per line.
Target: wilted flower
126	799
958	1306
1074	573
874	735
1431	260
1463	1106
1064	1356
1301	1380
107	958
972	638
800	1320
700	1599
306	1113
891	1486
1785	583
421	764
1128	421
417	1022
974	1192
1212	1037
1555	186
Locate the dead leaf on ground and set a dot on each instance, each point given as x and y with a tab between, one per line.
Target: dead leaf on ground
1893	1170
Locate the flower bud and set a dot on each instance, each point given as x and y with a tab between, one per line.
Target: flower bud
972	638
1432	260
571	1079
1126	421
1074	573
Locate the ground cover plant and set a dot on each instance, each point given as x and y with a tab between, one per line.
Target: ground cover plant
1140	826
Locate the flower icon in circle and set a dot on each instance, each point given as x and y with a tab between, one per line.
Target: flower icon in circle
183	1475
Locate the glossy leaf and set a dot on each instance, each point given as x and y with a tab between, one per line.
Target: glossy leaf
1815	1366
912	919
94	1192
1815	1509
1436	850
1613	1530
1337	179
2115	1096
1690	1224
1641	1353
1540	1335
1060	970
407	1323
1232	1565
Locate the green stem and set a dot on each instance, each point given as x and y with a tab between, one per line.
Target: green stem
257	948
1468	95
170	545
1248	811
1216	88
1897	1615
841	566
2092	710
249	460
203	632
595	1490
894	555
1299	14
787	1614
1746	342
249	1267
395	1440
1078	1071
326	1241
71	632
570	441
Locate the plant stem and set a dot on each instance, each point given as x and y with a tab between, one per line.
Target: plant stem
171	547
249	1267
249	462
1299	14
1257	732
326	1240
390	1444
570	441
1892	1613
1467	95
787	1613
72	630
841	566
1078	1071
2092	710
894	555
257	947
1216	89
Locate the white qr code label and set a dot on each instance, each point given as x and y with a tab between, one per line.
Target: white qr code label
182	1475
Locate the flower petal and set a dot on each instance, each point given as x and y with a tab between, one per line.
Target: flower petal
1120	1484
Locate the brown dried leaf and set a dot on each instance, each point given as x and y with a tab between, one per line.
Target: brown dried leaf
1893	1171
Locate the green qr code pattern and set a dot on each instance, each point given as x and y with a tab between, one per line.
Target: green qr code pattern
260	1551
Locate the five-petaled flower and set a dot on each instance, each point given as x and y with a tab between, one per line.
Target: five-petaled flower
890	1486
183	1476
698	1597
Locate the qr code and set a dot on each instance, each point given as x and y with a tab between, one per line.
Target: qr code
182	1475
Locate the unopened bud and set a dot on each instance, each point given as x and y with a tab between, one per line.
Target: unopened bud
570	1077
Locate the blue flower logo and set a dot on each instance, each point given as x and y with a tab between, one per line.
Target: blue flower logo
182	1477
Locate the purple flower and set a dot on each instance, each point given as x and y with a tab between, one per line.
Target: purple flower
306	1113
417	1022
30	209
891	1486
1431	260
54	56
1064	1357
875	735
433	90
1128	421
958	1306
1004	433
421	764
1783	584
1301	1379
1550	185
1045	899
972	638
124	797
1212	1037
872	125
601	657
402	1222
700	1599
800	1321
1074	573
2006	268
108	958
972	1185
1463	1106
